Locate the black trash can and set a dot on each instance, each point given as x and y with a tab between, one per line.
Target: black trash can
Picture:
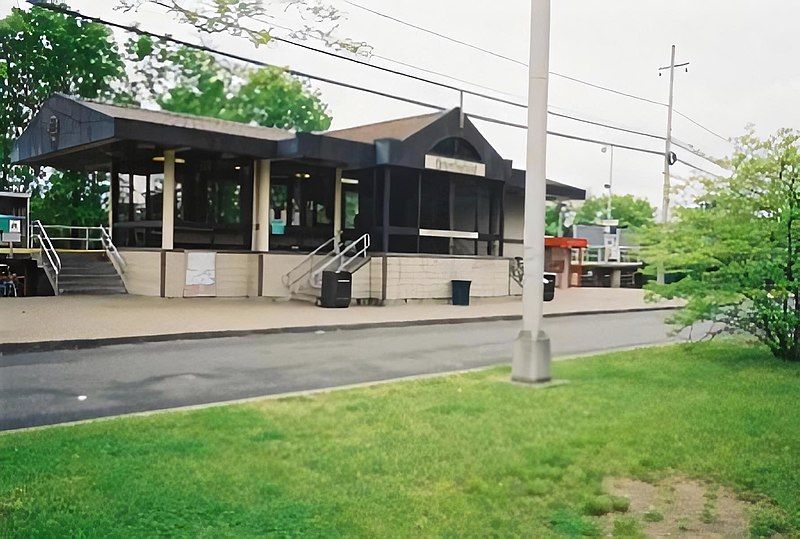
461	292
549	286
337	289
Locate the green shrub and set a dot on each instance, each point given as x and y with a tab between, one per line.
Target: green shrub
653	515
599	505
621	504
627	527
768	520
569	523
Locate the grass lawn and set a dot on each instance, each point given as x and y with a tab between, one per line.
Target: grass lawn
465	455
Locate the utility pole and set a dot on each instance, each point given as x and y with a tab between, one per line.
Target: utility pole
610	183
531	360
668	156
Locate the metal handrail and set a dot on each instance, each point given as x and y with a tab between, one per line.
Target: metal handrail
111	251
340	258
53	266
86	238
517	270
287	279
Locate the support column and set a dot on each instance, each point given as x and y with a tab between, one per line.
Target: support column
337	208
261	202
168	208
113	196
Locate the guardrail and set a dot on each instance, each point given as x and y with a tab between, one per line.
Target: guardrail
306	266
50	259
341	260
112	252
90	238
597	254
86	237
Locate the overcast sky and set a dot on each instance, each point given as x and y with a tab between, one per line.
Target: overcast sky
743	56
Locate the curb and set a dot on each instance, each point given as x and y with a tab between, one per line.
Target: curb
322	390
8	349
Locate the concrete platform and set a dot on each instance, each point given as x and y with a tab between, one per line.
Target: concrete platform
77	320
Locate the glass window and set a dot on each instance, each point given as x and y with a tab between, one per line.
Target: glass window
465	205
404	198
350	208
457	148
435	203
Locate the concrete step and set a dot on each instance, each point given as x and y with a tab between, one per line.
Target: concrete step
100	271
88	280
92	291
88	274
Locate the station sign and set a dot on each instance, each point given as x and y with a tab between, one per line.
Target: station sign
459	166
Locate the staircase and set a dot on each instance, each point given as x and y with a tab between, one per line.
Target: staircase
88	274
304	281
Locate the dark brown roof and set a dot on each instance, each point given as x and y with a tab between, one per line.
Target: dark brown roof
187	121
399	129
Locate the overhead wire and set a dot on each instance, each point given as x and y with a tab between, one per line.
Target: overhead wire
205	48
699	168
524	64
140	31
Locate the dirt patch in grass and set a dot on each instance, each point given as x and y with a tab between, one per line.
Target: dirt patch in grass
681	507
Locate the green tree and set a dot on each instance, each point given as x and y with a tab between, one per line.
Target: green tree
739	248
74	198
205	86
630	211
42	53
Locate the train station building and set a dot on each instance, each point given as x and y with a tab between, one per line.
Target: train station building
407	205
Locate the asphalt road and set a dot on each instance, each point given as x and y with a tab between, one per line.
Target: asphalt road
55	387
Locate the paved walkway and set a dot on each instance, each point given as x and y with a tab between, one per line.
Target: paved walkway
67	318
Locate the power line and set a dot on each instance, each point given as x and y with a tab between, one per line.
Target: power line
204	48
698	168
598	142
591	122
394	72
569	136
607	89
433	72
701	126
524	64
138	30
692	151
493	53
433	32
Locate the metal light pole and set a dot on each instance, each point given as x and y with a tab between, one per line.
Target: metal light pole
531	361
610	179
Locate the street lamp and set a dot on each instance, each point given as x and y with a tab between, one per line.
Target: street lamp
609	149
531	359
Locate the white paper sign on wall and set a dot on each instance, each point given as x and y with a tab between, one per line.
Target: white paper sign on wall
201	274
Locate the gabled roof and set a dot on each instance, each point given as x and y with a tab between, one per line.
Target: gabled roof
399	129
86	131
186	121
